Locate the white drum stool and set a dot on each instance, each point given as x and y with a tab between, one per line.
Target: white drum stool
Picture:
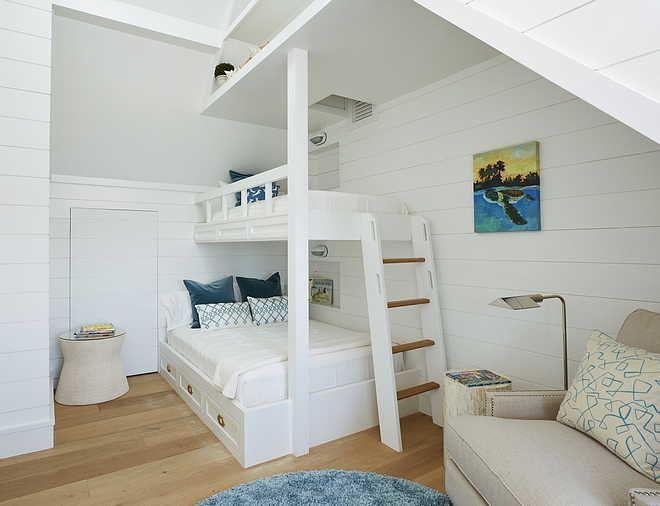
92	371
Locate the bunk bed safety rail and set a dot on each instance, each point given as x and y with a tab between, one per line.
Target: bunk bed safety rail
267	178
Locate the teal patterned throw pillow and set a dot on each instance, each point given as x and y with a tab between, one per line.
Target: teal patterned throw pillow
224	315
615	398
270	310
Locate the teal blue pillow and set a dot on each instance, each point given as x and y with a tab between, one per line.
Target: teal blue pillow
259	288
218	291
253	194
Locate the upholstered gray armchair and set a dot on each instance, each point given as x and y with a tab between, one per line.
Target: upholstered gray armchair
518	454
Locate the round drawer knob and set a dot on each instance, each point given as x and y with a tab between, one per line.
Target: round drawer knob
221	420
169	369
190	390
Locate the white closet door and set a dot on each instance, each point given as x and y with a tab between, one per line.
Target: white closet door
114	278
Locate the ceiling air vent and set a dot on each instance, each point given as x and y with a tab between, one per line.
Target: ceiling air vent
362	113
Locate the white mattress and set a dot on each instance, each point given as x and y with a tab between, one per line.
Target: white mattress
337	357
327	201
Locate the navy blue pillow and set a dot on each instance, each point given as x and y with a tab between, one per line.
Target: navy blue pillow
221	290
259	288
253	194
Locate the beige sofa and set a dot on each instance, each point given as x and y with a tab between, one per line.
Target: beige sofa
520	455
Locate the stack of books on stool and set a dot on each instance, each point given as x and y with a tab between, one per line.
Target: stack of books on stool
93	330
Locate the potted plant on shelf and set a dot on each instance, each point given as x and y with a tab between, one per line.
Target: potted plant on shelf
221	70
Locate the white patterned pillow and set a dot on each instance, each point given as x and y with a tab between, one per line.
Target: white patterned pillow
615	398
270	310
224	315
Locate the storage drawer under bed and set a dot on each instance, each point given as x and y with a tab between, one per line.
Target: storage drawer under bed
190	390
168	369
222	422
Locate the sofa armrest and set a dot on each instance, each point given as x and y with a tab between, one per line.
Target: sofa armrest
525	404
644	497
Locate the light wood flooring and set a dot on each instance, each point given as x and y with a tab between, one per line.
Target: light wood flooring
149	448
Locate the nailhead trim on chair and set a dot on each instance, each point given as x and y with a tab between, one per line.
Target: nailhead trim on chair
532	393
642	492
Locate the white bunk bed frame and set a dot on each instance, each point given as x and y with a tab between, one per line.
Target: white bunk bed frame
262	433
258	434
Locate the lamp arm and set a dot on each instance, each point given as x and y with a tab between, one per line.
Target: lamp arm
563	325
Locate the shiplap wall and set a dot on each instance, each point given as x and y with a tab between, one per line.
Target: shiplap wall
600	212
25	393
179	257
324	169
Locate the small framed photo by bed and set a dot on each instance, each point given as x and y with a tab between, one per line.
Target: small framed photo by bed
320	291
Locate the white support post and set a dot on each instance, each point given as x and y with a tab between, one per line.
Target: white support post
298	263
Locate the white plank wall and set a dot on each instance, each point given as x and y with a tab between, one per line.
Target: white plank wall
600	210
26	422
178	256
324	169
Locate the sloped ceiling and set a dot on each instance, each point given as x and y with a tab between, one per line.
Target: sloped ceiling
606	52
209	13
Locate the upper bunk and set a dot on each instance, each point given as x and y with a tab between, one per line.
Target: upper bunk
332	215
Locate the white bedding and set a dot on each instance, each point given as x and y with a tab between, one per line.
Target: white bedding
249	363
325	200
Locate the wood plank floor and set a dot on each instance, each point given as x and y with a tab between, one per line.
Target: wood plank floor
149	448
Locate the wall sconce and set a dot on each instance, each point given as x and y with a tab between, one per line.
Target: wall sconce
319	139
530	302
320	251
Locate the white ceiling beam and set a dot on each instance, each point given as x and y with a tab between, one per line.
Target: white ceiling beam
143	22
626	105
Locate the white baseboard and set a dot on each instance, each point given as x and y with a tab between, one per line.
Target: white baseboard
29	438
26	439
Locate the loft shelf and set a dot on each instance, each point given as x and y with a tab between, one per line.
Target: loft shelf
359	50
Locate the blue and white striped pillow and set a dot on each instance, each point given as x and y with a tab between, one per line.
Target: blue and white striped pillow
224	315
270	310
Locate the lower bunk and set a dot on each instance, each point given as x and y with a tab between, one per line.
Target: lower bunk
263	432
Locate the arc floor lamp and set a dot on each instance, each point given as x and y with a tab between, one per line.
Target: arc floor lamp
530	302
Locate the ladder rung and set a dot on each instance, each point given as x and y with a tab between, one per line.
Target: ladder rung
407	302
416	390
409	260
400	348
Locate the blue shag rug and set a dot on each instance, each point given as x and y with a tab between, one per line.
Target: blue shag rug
328	488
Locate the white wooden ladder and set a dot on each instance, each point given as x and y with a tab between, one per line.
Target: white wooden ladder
379	323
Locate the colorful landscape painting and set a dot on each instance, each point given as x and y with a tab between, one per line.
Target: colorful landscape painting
506	189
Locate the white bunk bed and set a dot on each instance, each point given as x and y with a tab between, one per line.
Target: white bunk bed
264	432
275	89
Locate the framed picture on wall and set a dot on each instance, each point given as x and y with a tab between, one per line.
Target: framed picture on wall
320	291
506	189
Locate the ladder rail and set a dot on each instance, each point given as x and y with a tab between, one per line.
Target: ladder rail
430	313
379	326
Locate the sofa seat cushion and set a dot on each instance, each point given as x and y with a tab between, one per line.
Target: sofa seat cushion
538	463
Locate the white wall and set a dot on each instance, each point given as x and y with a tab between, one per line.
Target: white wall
600	213
179	257
25	394
127	107
125	115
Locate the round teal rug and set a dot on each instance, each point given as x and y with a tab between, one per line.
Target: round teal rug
328	488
